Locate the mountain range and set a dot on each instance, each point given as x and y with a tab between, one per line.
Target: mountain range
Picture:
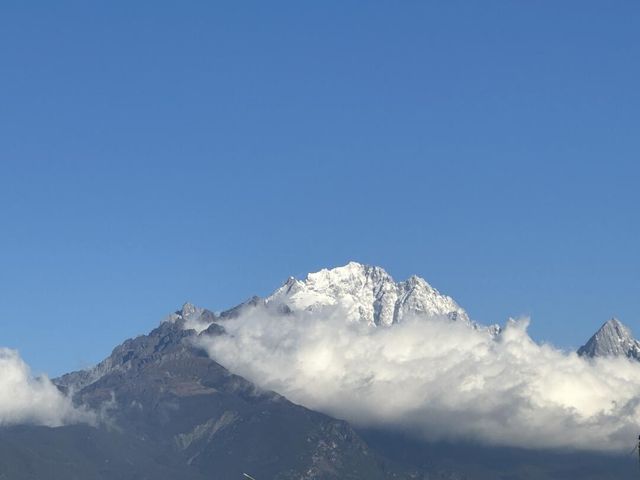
167	410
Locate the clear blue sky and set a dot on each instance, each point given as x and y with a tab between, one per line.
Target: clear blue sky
157	152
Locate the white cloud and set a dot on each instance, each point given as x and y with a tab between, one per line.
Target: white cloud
438	378
28	400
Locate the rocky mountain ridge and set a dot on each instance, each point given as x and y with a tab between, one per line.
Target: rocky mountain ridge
613	339
165	393
366	294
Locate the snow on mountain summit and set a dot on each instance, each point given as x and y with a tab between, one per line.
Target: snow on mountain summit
367	294
613	339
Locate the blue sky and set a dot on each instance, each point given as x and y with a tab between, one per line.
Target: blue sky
157	152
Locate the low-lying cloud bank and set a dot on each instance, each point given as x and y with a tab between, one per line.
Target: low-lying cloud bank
438	378
35	401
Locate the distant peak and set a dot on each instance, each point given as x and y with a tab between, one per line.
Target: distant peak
349	267
366	293
192	317
360	267
356	265
415	281
613	338
352	264
348	272
615	328
613	321
189	309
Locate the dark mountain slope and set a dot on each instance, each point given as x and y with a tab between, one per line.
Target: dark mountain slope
83	453
480	462
161	390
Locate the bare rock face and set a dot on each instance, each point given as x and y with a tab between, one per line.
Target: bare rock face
613	339
162	391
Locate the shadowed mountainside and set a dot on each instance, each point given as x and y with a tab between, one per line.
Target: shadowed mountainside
169	408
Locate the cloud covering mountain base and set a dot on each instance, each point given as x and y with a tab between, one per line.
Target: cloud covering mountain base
437	378
28	400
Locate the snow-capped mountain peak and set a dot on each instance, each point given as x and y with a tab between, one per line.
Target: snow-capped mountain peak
612	339
367	294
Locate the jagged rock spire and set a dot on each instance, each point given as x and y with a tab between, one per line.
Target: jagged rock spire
613	339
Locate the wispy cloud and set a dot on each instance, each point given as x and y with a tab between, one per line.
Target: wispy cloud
25	399
439	379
